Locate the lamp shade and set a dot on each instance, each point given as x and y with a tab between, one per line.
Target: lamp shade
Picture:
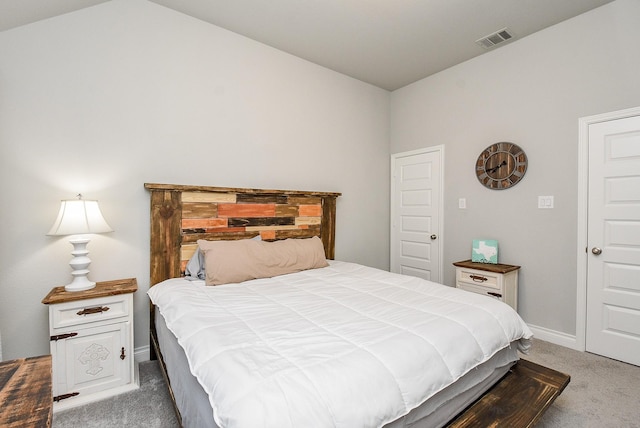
78	217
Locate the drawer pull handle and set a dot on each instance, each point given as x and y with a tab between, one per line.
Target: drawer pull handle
96	310
122	356
65	396
478	278
62	336
498	295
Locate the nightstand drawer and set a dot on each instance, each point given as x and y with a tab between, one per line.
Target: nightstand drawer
496	294
479	278
90	311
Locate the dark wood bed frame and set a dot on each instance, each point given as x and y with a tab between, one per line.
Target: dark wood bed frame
180	215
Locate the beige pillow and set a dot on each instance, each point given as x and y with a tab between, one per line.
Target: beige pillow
237	261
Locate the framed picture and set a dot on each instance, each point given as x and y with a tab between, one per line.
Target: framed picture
484	251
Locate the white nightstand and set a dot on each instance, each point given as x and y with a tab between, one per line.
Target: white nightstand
496	280
92	342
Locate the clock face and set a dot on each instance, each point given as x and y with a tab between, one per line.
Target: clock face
501	166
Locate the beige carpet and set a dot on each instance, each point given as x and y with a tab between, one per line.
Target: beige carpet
150	406
602	393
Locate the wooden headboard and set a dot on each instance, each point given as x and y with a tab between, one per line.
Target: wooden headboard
180	215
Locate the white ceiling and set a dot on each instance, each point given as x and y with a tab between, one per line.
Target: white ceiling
388	43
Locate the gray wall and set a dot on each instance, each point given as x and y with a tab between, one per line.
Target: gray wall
531	92
102	100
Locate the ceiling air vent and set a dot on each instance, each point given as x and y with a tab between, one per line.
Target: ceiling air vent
495	39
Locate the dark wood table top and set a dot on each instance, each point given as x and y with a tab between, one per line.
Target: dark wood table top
489	267
102	289
25	392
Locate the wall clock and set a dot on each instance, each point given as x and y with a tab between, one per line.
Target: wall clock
501	166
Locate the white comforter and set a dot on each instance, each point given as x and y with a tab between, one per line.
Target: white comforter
345	346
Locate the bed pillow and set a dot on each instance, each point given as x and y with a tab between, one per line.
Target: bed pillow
195	268
238	261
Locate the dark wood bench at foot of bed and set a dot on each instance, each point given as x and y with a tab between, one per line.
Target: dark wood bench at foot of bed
519	400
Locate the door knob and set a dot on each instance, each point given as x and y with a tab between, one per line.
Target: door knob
434	237
597	251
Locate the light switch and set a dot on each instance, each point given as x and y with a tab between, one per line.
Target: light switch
462	203
545	202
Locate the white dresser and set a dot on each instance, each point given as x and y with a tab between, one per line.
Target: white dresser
496	280
92	342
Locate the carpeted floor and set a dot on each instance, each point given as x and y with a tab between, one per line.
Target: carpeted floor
603	393
149	406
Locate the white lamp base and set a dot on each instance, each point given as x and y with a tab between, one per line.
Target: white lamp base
80	263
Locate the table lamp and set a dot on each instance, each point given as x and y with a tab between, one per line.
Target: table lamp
78	217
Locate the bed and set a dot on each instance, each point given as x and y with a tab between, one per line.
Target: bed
333	345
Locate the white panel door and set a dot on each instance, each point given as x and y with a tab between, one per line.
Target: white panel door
416	205
613	265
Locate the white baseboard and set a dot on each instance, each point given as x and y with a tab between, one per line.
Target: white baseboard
143	353
555	337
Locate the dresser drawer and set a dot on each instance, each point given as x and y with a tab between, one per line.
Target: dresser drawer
90	311
496	294
478	278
